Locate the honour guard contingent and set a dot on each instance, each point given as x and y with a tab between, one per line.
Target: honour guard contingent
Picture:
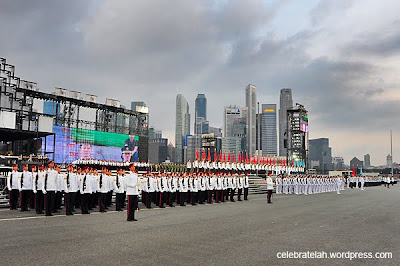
132	192
25	188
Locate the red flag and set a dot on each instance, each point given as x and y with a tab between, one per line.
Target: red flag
204	155
197	154
233	157
229	157
224	157
240	158
354	171
209	155
215	155
220	155
274	161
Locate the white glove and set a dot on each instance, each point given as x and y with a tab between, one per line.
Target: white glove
20	190
44	191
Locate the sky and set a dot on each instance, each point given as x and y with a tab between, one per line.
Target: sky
340	57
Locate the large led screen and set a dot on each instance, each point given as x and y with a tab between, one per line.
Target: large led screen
72	144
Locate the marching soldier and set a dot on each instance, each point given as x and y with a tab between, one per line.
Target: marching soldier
132	192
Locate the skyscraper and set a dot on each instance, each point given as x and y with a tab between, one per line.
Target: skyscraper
182	126
251	104
321	152
286	102
201	125
201	106
231	113
269	137
367	160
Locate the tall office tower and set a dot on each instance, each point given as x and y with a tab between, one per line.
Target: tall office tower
251	104
201	106
367	160
320	151
201	125
182	126
286	102
231	113
269	137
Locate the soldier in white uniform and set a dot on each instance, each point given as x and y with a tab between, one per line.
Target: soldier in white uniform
278	184
194	189
270	188
362	181
132	192
171	190
70	188
240	187
210	187
119	188
103	186
25	188
246	186
338	184
37	186
50	188
85	190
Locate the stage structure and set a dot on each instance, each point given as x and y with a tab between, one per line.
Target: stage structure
19	122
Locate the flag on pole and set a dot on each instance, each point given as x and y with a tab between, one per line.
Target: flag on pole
197	154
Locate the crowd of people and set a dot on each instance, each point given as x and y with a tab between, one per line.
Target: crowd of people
310	184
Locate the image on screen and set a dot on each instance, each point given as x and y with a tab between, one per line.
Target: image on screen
72	144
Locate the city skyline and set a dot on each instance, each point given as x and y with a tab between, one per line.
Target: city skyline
339	62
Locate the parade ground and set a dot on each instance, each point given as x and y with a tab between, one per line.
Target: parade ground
240	233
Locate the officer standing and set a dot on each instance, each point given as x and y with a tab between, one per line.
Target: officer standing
246	186
37	189
49	188
13	187
85	190
270	188
132	192
25	188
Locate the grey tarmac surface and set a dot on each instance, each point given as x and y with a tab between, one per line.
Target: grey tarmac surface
240	233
